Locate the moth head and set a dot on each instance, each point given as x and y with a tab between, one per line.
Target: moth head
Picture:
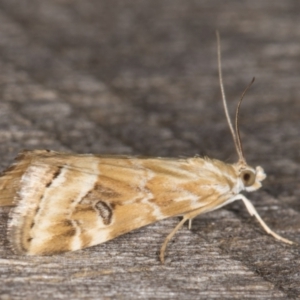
250	179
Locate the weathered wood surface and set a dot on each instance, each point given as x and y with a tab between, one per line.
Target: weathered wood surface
140	77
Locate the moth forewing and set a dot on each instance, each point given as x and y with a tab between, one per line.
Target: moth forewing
84	200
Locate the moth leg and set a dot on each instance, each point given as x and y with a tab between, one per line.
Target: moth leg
189	216
190	223
169	237
252	211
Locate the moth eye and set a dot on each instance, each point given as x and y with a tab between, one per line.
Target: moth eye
248	177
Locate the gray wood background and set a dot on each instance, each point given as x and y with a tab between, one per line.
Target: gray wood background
140	77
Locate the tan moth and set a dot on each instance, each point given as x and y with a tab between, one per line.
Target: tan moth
66	202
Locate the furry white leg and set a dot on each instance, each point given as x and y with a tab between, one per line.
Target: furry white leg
252	211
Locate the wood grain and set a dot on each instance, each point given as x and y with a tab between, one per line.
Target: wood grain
140	77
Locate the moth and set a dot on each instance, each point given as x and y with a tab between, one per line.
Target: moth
66	202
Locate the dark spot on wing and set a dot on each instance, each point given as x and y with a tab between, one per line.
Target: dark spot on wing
55	175
104	211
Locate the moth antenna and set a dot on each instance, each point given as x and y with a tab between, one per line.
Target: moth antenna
235	139
242	159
